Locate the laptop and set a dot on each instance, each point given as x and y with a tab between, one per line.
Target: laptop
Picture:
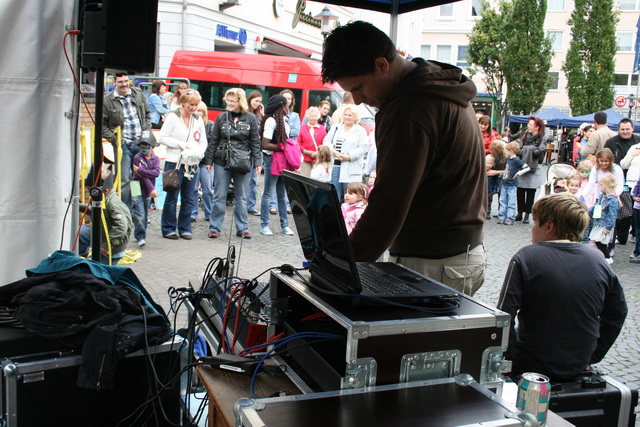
325	244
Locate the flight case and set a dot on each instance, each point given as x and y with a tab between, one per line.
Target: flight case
39	385
439	403
386	345
594	399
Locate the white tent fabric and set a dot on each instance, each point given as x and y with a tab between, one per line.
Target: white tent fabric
36	140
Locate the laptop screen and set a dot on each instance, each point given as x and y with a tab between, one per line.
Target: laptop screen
323	235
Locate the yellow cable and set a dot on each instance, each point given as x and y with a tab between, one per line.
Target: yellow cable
117	185
104	227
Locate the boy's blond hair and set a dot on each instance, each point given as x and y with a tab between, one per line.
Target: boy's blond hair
512	146
569	215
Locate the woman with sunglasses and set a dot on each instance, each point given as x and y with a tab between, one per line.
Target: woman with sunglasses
236	128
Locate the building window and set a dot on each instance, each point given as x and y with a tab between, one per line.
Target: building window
425	51
446	10
476	8
555	5
462	56
556	39
553	80
624	39
443	53
620	79
629	4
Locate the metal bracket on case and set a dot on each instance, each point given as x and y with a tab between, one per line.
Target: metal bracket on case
430	365
360	373
493	364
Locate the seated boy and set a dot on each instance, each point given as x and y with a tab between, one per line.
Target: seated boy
568	303
119	224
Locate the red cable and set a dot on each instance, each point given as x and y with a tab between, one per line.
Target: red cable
226	317
235	326
315	316
84	101
266	344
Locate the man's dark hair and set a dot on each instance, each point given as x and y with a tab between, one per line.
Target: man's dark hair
351	51
626	120
120	74
600	118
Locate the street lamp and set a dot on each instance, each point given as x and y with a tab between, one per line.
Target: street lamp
631	100
326	16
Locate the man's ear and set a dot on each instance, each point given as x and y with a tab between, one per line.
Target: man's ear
381	64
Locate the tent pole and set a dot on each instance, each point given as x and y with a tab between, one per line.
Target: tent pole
393	26
96	187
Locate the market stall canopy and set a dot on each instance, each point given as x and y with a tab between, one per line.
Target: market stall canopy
552	117
392	7
613	119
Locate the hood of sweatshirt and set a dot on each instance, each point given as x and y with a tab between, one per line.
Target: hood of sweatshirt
438	80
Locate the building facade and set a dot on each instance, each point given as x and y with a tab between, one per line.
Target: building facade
446	30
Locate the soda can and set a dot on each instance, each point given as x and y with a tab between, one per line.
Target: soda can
533	395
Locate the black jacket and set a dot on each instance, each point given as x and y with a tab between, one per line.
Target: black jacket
243	134
620	146
108	321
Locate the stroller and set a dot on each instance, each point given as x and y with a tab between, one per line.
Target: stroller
557	170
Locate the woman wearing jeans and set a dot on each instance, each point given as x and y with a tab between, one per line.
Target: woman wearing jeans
184	135
239	129
274	130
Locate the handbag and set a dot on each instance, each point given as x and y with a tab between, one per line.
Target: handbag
171	179
626	209
236	160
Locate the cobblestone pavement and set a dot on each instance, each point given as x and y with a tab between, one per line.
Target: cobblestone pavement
165	263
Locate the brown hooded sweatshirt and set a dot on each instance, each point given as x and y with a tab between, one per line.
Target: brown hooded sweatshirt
430	195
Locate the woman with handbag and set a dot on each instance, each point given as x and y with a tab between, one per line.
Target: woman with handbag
184	135
234	143
348	142
311	135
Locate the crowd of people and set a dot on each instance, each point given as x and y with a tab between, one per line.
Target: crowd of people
406	148
597	152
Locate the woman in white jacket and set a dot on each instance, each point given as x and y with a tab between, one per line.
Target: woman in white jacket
184	135
348	142
631	163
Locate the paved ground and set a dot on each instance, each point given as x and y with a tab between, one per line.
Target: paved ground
166	263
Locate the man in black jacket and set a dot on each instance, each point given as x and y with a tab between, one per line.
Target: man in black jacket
620	145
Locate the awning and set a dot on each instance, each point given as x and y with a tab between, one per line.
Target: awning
275	47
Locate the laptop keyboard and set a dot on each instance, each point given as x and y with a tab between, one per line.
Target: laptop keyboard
382	284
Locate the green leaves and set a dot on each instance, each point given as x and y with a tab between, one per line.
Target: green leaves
509	47
590	61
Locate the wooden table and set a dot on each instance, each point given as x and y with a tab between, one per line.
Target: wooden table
224	388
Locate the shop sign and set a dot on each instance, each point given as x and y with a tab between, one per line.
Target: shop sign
240	36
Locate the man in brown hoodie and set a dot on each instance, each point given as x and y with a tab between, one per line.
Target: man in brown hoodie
430	198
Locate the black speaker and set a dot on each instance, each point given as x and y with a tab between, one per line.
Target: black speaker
120	35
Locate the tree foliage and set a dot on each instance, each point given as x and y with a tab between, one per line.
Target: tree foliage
590	62
487	46
509	46
529	56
